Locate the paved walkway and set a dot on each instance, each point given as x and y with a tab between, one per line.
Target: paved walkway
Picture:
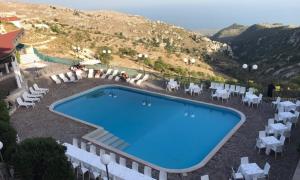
41	122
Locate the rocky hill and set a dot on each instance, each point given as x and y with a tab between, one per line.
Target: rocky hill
229	33
275	48
57	30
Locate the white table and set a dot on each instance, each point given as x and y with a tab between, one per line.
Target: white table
288	105
285	115
172	85
278	128
251	170
94	161
221	92
270	140
194	88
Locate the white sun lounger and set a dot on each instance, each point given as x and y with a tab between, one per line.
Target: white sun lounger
145	78
136	78
37	88
24	104
71	76
91	73
31	95
78	74
97	75
37	93
55	79
108	72
113	74
30	99
63	77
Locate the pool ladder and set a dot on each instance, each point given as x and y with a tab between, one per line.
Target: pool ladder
100	135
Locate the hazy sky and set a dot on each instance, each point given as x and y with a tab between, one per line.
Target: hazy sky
196	14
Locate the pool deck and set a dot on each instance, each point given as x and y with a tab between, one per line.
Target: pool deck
40	122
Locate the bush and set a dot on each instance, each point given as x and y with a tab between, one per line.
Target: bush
7	137
4	115
41	158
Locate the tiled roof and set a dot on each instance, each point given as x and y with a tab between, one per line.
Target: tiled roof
9	19
9	41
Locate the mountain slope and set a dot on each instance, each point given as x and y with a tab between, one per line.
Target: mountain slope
275	48
86	29
229	33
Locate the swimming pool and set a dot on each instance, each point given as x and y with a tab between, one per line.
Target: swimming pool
165	132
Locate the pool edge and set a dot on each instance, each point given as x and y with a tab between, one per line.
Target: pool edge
202	163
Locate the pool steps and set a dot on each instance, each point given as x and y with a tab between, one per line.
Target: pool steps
100	135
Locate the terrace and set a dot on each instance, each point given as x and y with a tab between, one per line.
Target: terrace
40	122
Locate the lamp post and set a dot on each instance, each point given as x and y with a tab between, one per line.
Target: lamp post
1	146
249	68
105	159
189	62
105	54
142	57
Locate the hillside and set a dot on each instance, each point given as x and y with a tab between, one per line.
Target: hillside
229	33
126	35
275	48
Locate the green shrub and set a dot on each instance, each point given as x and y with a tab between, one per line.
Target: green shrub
7	137
41	158
4	115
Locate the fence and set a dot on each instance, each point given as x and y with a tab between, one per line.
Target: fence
55	59
184	81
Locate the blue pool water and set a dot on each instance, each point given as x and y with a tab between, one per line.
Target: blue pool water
171	133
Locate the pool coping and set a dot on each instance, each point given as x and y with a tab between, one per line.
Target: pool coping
184	170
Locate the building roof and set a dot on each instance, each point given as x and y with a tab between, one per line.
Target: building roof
9	19
8	42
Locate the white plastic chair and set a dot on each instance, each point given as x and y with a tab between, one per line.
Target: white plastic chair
162	175
135	166
275	103
244	160
82	170
262	134
112	157
102	152
259	144
93	149
148	171
83	145
205	177
236	175
242	90
75	142
122	161
270	121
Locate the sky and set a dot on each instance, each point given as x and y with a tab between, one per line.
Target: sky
197	14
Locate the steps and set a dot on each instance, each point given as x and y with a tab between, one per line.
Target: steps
29	58
101	136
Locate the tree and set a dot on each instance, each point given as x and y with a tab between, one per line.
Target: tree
41	159
4	115
8	138
104	54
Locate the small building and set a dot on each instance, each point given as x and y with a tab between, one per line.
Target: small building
10	74
14	20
